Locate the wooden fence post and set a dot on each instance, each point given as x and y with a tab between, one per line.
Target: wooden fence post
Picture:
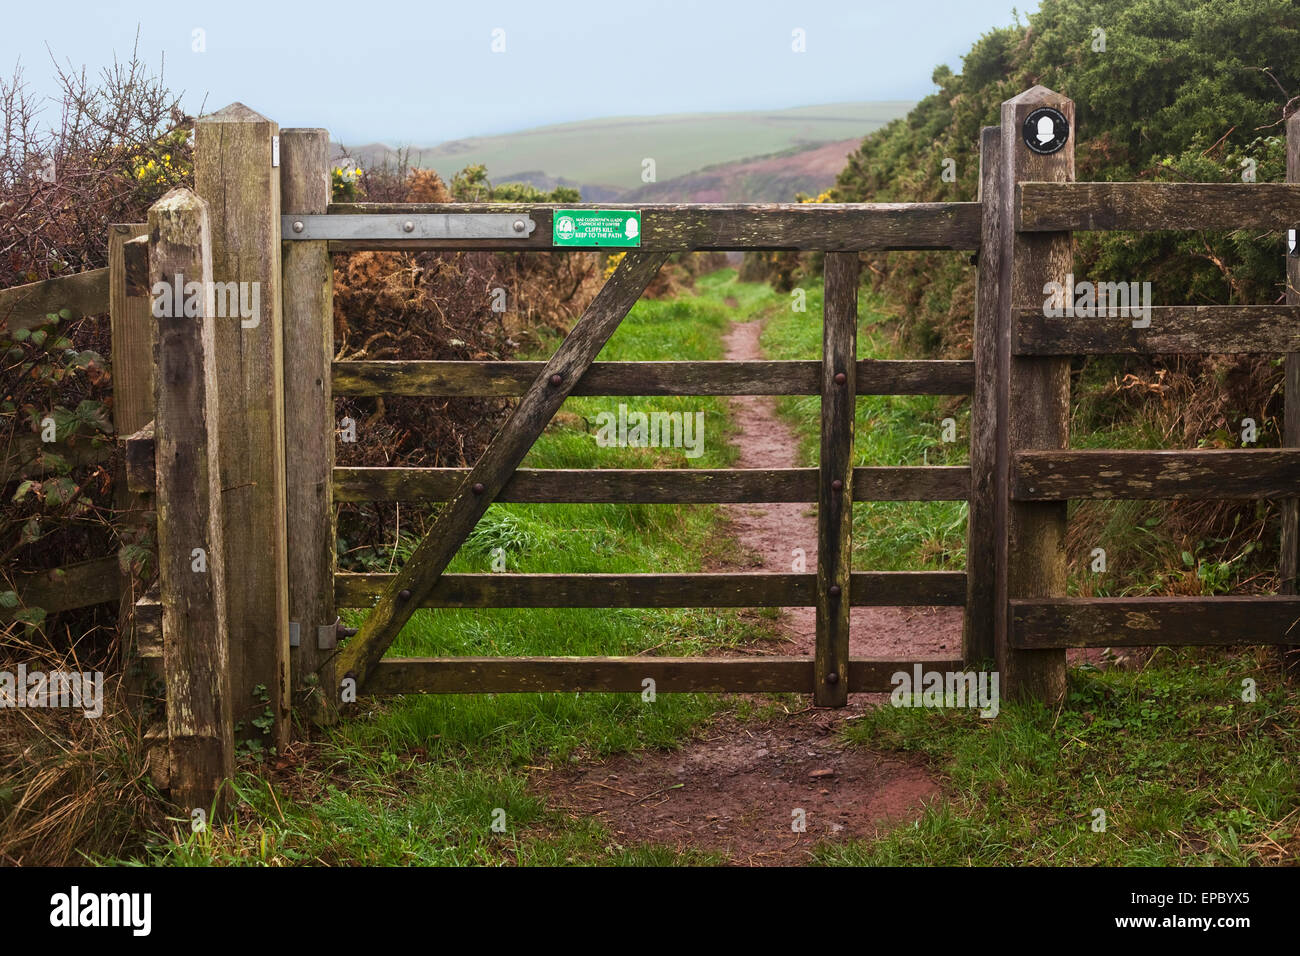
1034	398
835	478
1289	562
132	336
190	558
309	423
233	170
987	498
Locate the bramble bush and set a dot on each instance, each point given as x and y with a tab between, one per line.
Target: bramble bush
120	141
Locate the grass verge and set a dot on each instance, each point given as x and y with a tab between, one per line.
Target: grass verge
1168	758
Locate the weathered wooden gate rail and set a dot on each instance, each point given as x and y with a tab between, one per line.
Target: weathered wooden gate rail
721	227
655	486
283	230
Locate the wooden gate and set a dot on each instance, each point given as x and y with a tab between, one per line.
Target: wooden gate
543	386
1020	477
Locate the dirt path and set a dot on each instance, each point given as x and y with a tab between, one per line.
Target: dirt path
773	531
742	787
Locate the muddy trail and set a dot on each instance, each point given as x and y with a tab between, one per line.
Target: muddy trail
742	788
772	532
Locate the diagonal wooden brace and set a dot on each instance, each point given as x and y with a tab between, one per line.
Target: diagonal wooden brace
498	463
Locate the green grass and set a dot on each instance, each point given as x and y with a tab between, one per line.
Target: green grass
888	430
1186	772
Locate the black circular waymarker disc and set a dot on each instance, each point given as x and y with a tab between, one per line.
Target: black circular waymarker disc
1045	130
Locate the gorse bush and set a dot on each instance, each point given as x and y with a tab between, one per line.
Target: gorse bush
1184	90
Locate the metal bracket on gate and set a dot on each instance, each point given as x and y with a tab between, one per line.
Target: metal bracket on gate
327	635
491	225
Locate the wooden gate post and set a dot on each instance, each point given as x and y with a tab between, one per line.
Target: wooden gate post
835	478
1289	563
131	325
309	423
188	495
1034	398
988	500
234	156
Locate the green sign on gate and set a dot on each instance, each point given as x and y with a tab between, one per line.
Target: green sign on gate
596	227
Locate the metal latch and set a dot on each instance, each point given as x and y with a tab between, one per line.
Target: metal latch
488	225
327	635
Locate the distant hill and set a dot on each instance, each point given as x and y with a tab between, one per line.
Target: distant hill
774	178
603	157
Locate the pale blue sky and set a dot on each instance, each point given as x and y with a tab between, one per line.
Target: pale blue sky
423	72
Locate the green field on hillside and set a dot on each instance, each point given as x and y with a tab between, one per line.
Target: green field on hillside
610	151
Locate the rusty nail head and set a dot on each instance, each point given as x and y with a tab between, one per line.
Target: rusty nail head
834	590
837	484
478	488
840	378
557	378
404	594
833	677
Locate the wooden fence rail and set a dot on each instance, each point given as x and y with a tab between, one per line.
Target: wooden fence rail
847	227
656	486
496	675
1148	207
485	379
1173	329
27	306
747	589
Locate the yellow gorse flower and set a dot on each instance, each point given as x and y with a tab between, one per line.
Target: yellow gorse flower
612	263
